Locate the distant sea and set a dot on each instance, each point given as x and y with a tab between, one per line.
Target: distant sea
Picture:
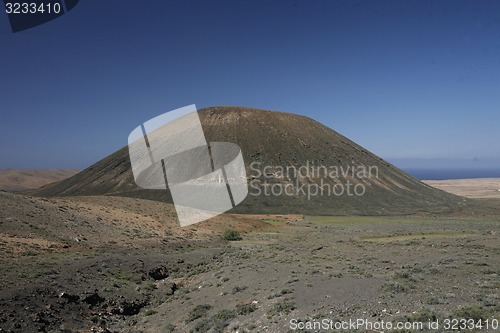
442	174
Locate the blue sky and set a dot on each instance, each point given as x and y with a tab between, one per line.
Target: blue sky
412	81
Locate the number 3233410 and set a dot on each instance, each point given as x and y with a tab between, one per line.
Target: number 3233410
32	8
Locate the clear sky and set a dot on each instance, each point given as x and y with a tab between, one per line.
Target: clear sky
408	80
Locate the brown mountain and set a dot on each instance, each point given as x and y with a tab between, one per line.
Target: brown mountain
21	180
303	158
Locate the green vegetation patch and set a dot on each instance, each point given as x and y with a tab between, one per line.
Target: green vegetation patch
199	311
231	235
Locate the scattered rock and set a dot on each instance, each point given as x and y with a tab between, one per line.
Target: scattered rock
93	299
158	273
127	308
70	298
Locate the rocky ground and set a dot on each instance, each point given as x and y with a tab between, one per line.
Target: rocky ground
109	264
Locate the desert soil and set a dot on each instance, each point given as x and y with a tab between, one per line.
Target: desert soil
111	264
471	188
21	180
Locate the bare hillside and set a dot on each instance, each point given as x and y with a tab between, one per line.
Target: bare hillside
272	140
21	180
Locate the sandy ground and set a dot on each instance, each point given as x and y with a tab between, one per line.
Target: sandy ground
471	188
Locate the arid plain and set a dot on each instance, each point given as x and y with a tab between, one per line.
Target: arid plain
112	264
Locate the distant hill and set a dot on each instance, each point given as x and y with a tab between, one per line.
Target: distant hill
271	138
20	180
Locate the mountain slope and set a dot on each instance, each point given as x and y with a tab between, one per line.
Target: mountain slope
276	146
